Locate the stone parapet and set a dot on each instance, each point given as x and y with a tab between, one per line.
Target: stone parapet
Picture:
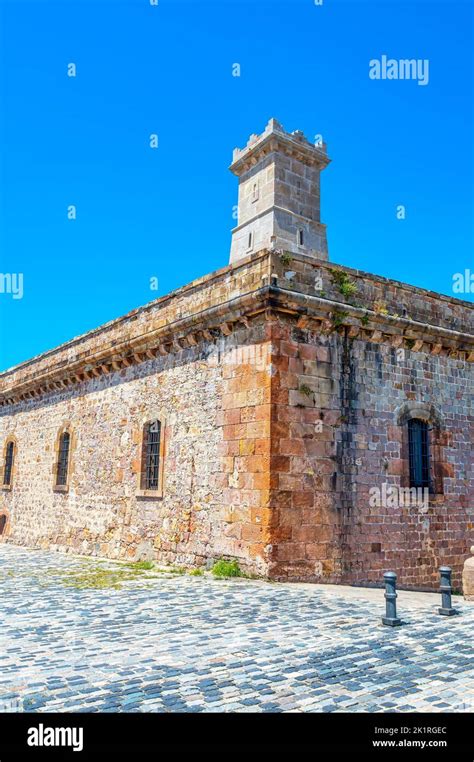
276	138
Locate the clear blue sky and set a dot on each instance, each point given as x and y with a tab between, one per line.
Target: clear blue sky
167	213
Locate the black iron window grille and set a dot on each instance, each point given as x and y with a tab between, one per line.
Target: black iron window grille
63	459
150	476
7	474
418	443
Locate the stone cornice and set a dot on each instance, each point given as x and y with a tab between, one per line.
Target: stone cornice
366	324
275	208
208	325
213	306
161	303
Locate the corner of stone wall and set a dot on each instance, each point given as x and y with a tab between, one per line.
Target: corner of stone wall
305	415
246	517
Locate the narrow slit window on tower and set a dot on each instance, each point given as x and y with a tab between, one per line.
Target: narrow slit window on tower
300	238
250	241
8	469
63	459
150	472
419	455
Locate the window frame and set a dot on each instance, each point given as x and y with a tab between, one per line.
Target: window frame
6	524
143	490
439	466
66	429
419	456
62	464
10	440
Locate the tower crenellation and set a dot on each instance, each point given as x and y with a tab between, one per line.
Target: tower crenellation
279	194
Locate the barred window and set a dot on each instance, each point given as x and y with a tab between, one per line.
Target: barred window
419	455
150	472
63	459
8	470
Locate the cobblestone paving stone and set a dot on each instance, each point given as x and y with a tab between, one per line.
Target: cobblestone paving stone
194	644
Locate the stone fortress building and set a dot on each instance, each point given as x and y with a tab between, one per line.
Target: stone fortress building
312	421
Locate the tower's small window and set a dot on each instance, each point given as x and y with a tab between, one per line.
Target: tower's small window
419	456
8	468
150	473
63	459
255	192
300	238
250	241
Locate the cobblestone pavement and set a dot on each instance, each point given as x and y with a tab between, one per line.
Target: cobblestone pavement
193	644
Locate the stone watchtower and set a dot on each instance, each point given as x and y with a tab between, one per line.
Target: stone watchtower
279	191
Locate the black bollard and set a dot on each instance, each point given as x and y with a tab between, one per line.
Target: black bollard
445	590
390	617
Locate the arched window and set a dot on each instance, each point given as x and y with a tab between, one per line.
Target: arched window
419	454
151	454
8	465
423	447
62	465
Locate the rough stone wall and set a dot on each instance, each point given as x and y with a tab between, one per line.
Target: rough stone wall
412	540
337	432
305	419
286	386
361	388
214	398
245	416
